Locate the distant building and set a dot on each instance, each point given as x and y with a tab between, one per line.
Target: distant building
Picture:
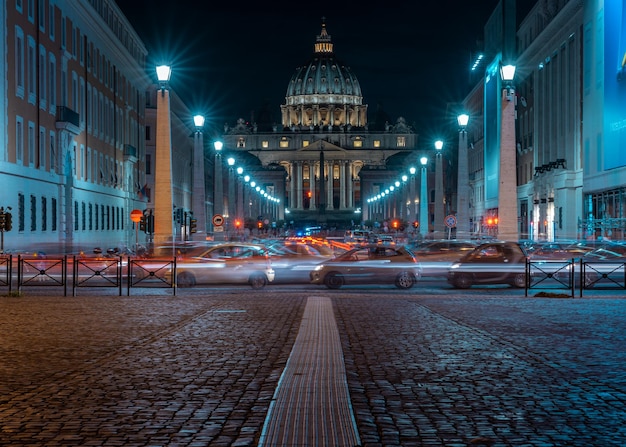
324	160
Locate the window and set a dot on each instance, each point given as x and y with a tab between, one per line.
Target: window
147	133
241	142
53	161
401	142
33	213
31	11
63	32
83	216
31	143
42	76
148	164
305	143
265	144
376	143
52	90
44	214
53	210
19	62
18	6
20	212
19	139
90	217
42	15
75	215
51	22
31	70
41	158
284	142
358	142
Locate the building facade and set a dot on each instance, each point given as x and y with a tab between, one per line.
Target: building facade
324	160
72	158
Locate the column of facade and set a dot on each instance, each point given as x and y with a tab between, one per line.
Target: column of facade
329	189
312	184
299	185
292	186
342	185
350	185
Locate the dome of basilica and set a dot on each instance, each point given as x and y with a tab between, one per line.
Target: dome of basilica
324	92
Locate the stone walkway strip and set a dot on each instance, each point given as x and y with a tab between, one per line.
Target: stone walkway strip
311	405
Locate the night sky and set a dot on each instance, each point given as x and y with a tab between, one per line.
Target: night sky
229	58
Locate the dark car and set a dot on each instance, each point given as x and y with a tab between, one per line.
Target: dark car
436	257
372	264
490	263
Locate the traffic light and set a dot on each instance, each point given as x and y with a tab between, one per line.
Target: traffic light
2	220
259	224
416	224
193	225
237	224
8	221
394	224
142	223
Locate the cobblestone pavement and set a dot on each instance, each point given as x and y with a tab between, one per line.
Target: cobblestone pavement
194	370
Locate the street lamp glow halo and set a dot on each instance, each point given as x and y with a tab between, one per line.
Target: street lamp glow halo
218	145
462	120
507	72
438	145
424	161
163	73
231	161
198	121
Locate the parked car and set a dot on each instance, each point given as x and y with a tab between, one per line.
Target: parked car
371	264
490	263
227	263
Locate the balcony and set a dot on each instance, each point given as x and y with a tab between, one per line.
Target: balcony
68	120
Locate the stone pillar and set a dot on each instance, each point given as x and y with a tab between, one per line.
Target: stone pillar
312	184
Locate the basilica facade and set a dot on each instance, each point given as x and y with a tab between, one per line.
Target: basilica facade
324	160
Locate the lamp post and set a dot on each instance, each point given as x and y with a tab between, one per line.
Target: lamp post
439	215
240	198
508	228
163	200
462	187
424	198
230	218
199	190
413	194
218	191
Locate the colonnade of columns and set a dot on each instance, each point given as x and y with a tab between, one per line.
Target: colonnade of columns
306	115
342	170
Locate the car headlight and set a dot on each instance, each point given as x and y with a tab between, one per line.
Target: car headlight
318	268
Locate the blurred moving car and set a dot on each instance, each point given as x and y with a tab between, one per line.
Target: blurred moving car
490	263
371	264
227	263
436	257
293	261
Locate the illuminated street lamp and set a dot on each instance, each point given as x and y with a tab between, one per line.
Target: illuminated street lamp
508	227
199	190
424	199
413	194
462	193
218	191
163	199
231	193
439	214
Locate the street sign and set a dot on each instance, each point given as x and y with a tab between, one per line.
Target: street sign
450	221
136	215
218	220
